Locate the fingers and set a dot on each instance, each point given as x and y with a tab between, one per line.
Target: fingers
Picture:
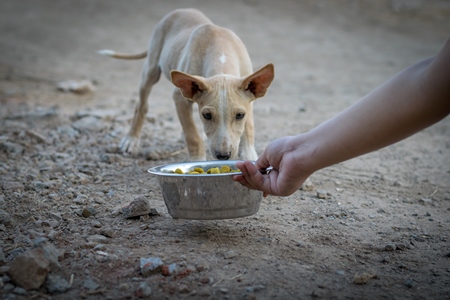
251	177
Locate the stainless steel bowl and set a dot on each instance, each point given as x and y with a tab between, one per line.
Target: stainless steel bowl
205	196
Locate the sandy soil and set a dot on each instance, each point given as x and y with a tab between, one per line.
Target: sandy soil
58	157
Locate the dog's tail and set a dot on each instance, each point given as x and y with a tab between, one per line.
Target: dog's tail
114	54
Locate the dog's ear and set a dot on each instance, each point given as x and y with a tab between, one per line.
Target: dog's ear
190	85
258	82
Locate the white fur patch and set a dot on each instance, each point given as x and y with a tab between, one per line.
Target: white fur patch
223	58
106	52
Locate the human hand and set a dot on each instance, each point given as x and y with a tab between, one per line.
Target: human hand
287	175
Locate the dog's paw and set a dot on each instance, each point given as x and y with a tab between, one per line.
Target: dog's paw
129	145
248	154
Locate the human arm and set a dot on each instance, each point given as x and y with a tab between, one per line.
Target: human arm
412	100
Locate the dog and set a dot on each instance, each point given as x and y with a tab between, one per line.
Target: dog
208	65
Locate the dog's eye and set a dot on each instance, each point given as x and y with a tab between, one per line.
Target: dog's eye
240	116
207	116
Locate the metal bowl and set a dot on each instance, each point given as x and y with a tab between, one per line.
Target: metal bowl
205	196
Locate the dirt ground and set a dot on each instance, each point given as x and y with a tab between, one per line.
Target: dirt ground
375	227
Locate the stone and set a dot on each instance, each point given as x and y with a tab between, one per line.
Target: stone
230	254
137	207
168	270
56	284
151	265
89	211
30	269
143	290
12	186
97	239
364	277
5	217
390	247
50	251
321	194
184	288
76	86
88	124
10	147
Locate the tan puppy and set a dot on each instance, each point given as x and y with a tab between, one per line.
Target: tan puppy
208	65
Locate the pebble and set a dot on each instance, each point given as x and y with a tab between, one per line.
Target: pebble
230	254
89	211
12	186
390	247
56	284
90	284
256	288
321	194
137	207
97	239
13	148
184	288
409	283
19	291
364	277
151	265
50	251
202	266
143	290
168	270
76	86
29	270
5	218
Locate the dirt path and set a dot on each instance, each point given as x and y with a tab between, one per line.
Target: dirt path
373	227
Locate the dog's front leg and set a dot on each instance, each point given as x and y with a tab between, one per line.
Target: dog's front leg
150	75
247	144
194	142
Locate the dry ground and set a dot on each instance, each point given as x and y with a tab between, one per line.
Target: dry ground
58	156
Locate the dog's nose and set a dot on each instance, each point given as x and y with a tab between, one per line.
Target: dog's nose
223	156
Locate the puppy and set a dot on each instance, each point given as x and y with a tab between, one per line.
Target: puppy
208	65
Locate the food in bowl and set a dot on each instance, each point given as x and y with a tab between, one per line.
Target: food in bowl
215	170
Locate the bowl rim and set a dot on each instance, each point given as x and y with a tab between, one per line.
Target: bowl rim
158	170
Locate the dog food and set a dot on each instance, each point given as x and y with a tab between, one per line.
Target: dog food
216	170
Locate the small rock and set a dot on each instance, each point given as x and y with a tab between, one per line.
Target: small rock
202	266
321	194
10	147
5	218
168	270
2	257
150	265
137	207
401	247
184	289
88	123
89	211
143	290
12	186
56	284
256	288
19	291
364	277
409	283
29	270
76	86
307	186
230	254
90	284
50	251
97	239
390	247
